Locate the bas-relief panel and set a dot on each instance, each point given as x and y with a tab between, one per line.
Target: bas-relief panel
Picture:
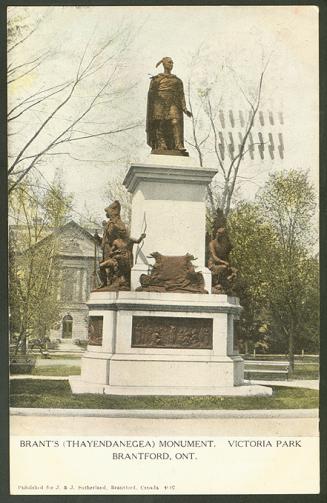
165	332
95	330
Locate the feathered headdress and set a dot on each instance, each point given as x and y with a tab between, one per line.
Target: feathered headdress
162	60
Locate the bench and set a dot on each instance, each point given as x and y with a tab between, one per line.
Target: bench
281	370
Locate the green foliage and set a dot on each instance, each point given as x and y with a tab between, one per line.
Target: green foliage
56	204
33	268
57	394
253	242
306	371
278	273
288	202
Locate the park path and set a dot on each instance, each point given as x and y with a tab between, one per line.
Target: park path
295	383
277	425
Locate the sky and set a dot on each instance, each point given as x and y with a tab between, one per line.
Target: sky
224	48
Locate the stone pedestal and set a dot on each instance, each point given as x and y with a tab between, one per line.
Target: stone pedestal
150	343
162	360
174	361
169	204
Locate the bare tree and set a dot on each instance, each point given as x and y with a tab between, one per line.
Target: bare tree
206	137
65	112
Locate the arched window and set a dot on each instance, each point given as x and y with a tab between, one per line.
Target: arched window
67	326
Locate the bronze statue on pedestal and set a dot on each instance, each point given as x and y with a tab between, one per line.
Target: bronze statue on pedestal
172	274
166	105
117	251
223	275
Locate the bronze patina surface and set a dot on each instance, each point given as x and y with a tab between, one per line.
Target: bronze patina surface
172	274
223	275
162	332
95	330
117	251
165	109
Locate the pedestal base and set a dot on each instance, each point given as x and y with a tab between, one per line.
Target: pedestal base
170	152
163	344
79	386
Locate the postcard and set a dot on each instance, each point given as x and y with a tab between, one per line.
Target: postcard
163	248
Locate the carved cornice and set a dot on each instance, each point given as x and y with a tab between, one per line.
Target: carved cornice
171	174
115	306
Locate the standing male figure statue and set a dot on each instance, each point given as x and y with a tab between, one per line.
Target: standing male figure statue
166	105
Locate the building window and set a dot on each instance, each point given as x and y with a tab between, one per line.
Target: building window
67	289
67	327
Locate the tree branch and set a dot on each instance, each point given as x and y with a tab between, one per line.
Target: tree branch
35	102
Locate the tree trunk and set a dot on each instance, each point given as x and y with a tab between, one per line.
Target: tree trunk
291	352
21	346
24	344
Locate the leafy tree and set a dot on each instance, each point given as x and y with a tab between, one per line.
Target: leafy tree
33	270
253	242
288	203
278	272
56	203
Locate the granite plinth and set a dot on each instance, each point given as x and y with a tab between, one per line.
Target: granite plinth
116	367
169	204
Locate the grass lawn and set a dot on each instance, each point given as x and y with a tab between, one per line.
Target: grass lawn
57	370
271	357
57	356
301	371
57	394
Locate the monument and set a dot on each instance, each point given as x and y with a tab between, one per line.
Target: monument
162	320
